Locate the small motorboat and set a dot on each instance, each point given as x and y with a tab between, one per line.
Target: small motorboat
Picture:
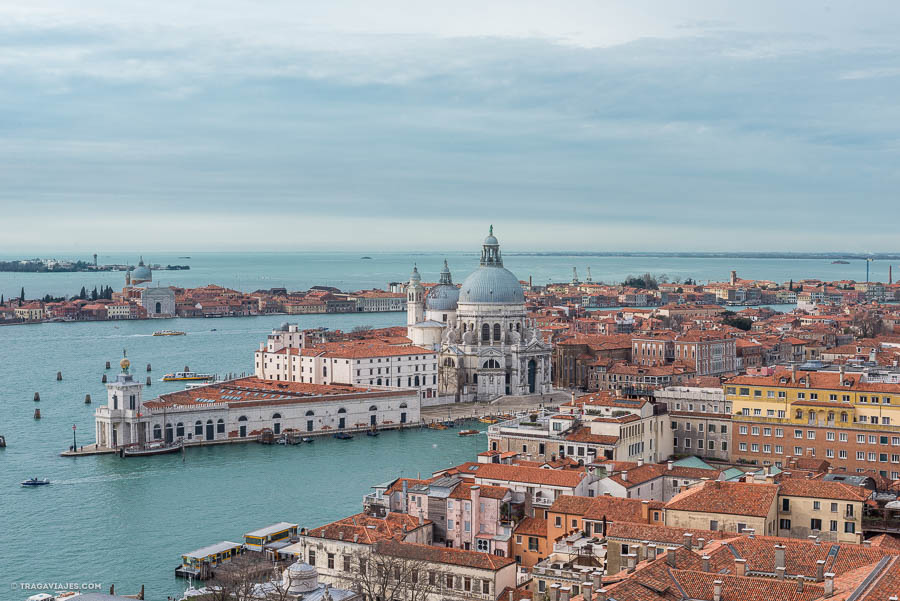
2	442
150	449
306	439
437	426
372	433
342	436
469	432
35	482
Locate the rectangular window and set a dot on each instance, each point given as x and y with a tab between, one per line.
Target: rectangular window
742	446
815	524
743	429
850	527
832	526
784	524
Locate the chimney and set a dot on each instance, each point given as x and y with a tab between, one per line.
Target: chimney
642	555
640	462
554	591
645	511
800	585
586	586
779	573
794	374
421	520
670	557
404	507
705	563
476	505
355	538
670	465
341	535
564	593
512	595
740	567
867	543
624	476
701	542
820	570
651	552
598	580
631	561
688	541
829	584
779	556
717	590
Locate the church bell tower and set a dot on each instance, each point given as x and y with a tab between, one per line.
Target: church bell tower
415	299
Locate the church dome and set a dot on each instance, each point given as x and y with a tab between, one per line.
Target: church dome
491	282
142	272
491	285
442	297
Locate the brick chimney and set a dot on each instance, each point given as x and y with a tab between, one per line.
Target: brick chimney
670	557
688	541
598	579
602	595
642	554
645	511
820	570
779	573
587	587
631	557
705	563
564	592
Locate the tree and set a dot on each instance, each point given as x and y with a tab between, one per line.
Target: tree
94	294
1	300
388	577
730	318
644	282
22	295
451	376
237	578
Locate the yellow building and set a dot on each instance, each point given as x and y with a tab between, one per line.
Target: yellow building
30	312
832	416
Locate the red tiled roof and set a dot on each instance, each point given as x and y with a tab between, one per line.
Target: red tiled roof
444	555
736	498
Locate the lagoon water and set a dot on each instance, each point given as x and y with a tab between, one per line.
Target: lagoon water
299	271
126	522
111	520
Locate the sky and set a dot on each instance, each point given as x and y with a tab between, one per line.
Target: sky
570	125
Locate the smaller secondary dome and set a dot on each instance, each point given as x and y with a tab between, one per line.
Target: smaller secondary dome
442	297
414	277
142	272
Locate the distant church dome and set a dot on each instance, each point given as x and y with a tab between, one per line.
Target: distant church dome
491	282
142	273
445	295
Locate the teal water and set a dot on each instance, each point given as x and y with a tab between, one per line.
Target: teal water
109	520
299	271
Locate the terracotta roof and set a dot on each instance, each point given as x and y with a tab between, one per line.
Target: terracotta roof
464	491
656	533
583	434
736	498
822	489
444	555
365	529
517	473
532	527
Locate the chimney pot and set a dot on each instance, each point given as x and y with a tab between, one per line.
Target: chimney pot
705	563
779	556
564	593
670	557
631	561
829	584
779	573
688	540
820	570
624	476
598	580
586	586
554	591
800	585
717	590
740	567
603	595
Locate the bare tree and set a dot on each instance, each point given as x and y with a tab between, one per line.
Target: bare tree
382	577
237	578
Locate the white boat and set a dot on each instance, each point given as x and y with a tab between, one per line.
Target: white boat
185	375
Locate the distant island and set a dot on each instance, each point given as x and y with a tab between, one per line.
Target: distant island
717	255
56	266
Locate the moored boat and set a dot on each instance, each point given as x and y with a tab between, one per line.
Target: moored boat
35	482
342	436
372	433
185	375
153	448
307	439
437	426
469	432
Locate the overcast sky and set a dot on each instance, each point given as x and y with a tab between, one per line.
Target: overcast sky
594	125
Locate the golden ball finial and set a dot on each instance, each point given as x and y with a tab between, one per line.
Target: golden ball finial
124	364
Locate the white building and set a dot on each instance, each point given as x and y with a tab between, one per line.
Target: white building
158	301
374	363
242	408
487	345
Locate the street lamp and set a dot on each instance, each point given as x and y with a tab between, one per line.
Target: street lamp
74	444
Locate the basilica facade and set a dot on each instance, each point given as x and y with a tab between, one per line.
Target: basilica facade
487	346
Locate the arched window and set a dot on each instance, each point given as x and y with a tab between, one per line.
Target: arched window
242	418
496	331
379	381
198	427
486	333
491	364
448	362
403	405
373	408
342	410
309	413
209	422
417	380
159	307
157	432
179	430
220	426
276	416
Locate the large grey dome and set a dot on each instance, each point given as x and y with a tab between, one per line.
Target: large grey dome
442	297
491	284
142	272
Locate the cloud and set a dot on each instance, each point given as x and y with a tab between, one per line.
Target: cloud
662	131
